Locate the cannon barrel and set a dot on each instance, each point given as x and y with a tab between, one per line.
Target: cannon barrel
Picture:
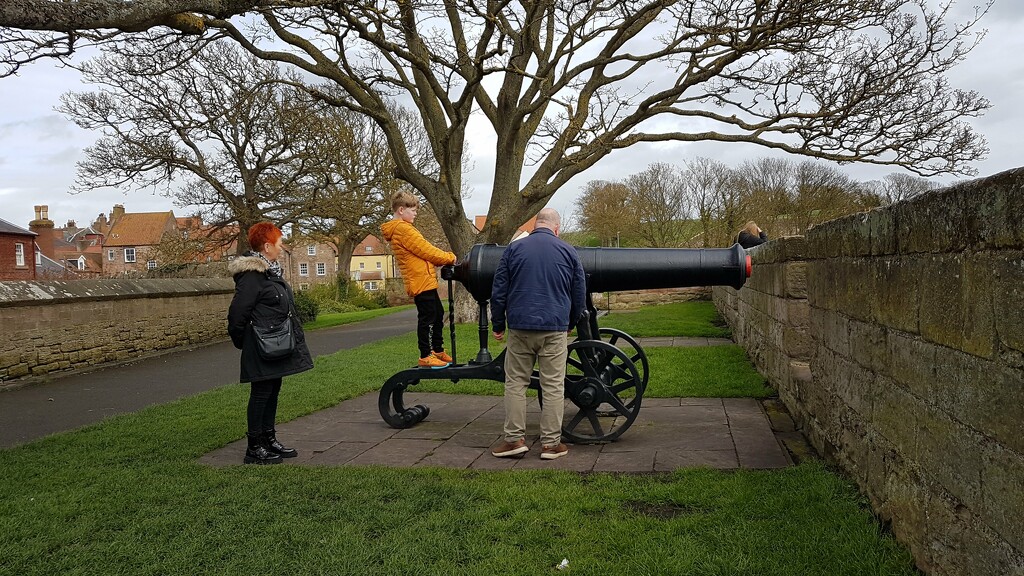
617	269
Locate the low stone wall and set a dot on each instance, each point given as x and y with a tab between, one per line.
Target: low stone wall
896	339
634	299
62	326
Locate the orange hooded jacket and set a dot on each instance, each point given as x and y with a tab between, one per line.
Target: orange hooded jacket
416	256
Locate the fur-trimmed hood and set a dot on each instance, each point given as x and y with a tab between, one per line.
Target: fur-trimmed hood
247	263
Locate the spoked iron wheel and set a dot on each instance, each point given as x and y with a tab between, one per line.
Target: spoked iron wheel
391	402
631	347
606	388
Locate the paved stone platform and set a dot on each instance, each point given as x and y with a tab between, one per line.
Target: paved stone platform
669	433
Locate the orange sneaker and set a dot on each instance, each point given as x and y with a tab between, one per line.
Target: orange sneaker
432	362
443	356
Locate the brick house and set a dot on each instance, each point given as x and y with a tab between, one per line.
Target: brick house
205	242
372	264
130	248
17	252
307	262
77	250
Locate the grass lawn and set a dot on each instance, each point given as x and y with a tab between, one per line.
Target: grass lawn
696	318
339	318
127	496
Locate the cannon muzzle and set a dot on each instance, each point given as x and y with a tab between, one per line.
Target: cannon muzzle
618	269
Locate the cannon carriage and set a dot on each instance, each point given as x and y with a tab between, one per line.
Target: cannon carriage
607	370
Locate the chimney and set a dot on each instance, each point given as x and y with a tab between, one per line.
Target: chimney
116	213
100	225
43	227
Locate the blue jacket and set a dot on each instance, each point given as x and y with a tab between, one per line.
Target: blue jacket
539	285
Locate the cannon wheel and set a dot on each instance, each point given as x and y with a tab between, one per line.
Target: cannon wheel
606	388
391	403
637	354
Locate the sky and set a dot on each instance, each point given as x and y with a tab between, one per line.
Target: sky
39	147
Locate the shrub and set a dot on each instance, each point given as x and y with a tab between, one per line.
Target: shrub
307	307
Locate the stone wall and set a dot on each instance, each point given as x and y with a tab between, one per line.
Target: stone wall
634	299
896	339
62	326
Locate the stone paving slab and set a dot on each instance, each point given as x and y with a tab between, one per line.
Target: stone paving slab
668	434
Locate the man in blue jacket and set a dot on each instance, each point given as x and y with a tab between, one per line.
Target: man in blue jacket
539	293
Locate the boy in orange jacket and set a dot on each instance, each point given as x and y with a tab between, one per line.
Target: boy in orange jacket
416	259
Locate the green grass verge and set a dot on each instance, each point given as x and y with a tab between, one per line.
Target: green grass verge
697	318
126	496
339	318
703	372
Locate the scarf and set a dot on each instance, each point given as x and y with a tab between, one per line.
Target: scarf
274	268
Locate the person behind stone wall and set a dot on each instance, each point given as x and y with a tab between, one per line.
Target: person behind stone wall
751	235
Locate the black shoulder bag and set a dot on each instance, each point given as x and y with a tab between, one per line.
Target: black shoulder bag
276	341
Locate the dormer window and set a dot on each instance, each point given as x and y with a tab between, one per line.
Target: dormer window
311	250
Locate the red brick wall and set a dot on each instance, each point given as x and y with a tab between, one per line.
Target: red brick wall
9	270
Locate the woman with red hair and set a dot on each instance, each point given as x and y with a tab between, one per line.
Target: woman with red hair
264	299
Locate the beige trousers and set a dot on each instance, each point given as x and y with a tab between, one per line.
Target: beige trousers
548	350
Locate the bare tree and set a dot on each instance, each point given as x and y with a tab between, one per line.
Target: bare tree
896	187
707	184
602	210
562	85
763	186
821	193
657	203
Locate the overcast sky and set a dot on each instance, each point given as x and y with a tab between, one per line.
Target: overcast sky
39	147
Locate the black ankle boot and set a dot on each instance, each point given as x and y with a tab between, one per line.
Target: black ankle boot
276	447
259	452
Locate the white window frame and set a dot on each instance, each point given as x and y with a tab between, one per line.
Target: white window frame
369	248
39	258
371	286
311	250
19	254
110	255
303	269
129	255
81	263
151	265
303	286
362	265
321	269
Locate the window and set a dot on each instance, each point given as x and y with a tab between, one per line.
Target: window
362	265
369	248
110	255
19	254
311	250
321	269
370	286
81	262
39	257
378	265
151	265
303	269
129	254
303	286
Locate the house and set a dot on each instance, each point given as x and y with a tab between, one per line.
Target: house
308	262
372	264
205	242
17	252
78	250
131	246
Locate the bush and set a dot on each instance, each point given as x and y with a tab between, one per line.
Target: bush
307	307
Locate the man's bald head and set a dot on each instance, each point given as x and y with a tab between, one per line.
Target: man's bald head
549	218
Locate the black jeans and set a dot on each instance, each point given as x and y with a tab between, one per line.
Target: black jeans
429	322
262	405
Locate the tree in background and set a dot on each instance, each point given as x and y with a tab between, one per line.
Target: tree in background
562	85
602	210
658	206
708	187
211	126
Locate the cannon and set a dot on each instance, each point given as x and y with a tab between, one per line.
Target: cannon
607	370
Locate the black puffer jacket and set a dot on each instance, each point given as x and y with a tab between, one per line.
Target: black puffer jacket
262	300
